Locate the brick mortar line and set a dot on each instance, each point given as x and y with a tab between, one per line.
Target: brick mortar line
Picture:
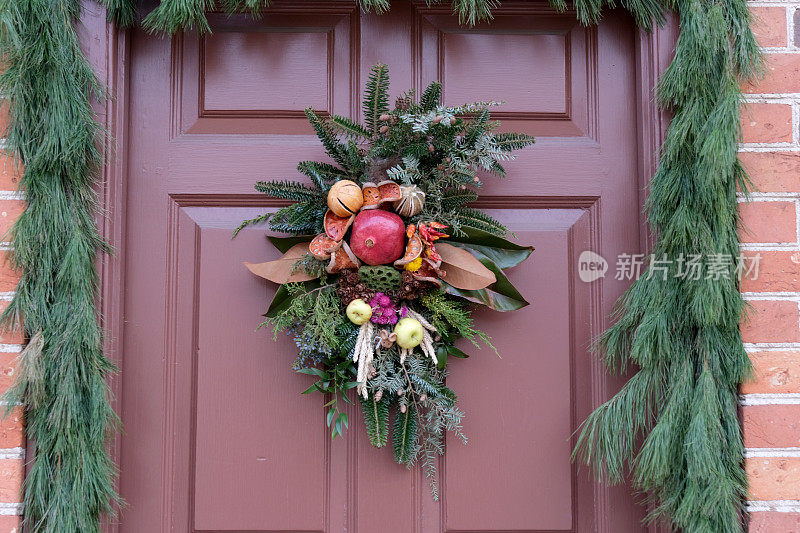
744	146
10	509
772	349
12	453
768	98
771	452
772	296
766	147
769	247
795	110
777	398
780	506
767	196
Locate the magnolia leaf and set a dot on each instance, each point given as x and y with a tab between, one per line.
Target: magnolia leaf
283	270
463	270
502	252
283	244
500	296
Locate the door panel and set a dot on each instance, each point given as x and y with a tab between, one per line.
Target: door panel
218	437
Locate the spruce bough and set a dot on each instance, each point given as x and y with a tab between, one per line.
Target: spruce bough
674	423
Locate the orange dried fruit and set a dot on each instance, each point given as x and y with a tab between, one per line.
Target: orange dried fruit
335	226
322	246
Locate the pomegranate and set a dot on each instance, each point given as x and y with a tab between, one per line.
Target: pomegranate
378	237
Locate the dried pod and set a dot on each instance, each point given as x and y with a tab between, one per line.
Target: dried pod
411	201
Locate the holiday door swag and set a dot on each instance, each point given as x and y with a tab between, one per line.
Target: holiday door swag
386	256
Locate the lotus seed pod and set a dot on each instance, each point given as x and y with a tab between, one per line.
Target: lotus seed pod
345	198
411	202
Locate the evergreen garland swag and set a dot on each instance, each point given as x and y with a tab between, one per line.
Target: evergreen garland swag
674	423
373	290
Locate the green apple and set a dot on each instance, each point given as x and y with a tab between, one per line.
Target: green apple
409	333
359	311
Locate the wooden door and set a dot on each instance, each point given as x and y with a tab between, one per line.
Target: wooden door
217	437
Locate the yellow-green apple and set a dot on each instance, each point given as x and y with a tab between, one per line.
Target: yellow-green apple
409	333
359	311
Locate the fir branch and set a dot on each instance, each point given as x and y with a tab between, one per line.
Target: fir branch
431	97
509	141
473	218
376	418
289	190
348	127
336	150
404	436
376	97
322	175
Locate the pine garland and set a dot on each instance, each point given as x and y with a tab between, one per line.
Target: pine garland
682	335
62	379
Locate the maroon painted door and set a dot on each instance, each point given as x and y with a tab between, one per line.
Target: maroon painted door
217	436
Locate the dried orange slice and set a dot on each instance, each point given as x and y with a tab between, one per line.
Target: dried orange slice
321	246
372	196
390	191
377	195
336	227
413	250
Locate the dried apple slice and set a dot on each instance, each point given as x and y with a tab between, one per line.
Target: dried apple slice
413	250
322	246
342	258
335	226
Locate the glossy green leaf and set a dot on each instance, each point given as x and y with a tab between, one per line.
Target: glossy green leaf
502	252
455	352
283	244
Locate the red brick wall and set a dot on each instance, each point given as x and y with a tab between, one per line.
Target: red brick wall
12	440
771	152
